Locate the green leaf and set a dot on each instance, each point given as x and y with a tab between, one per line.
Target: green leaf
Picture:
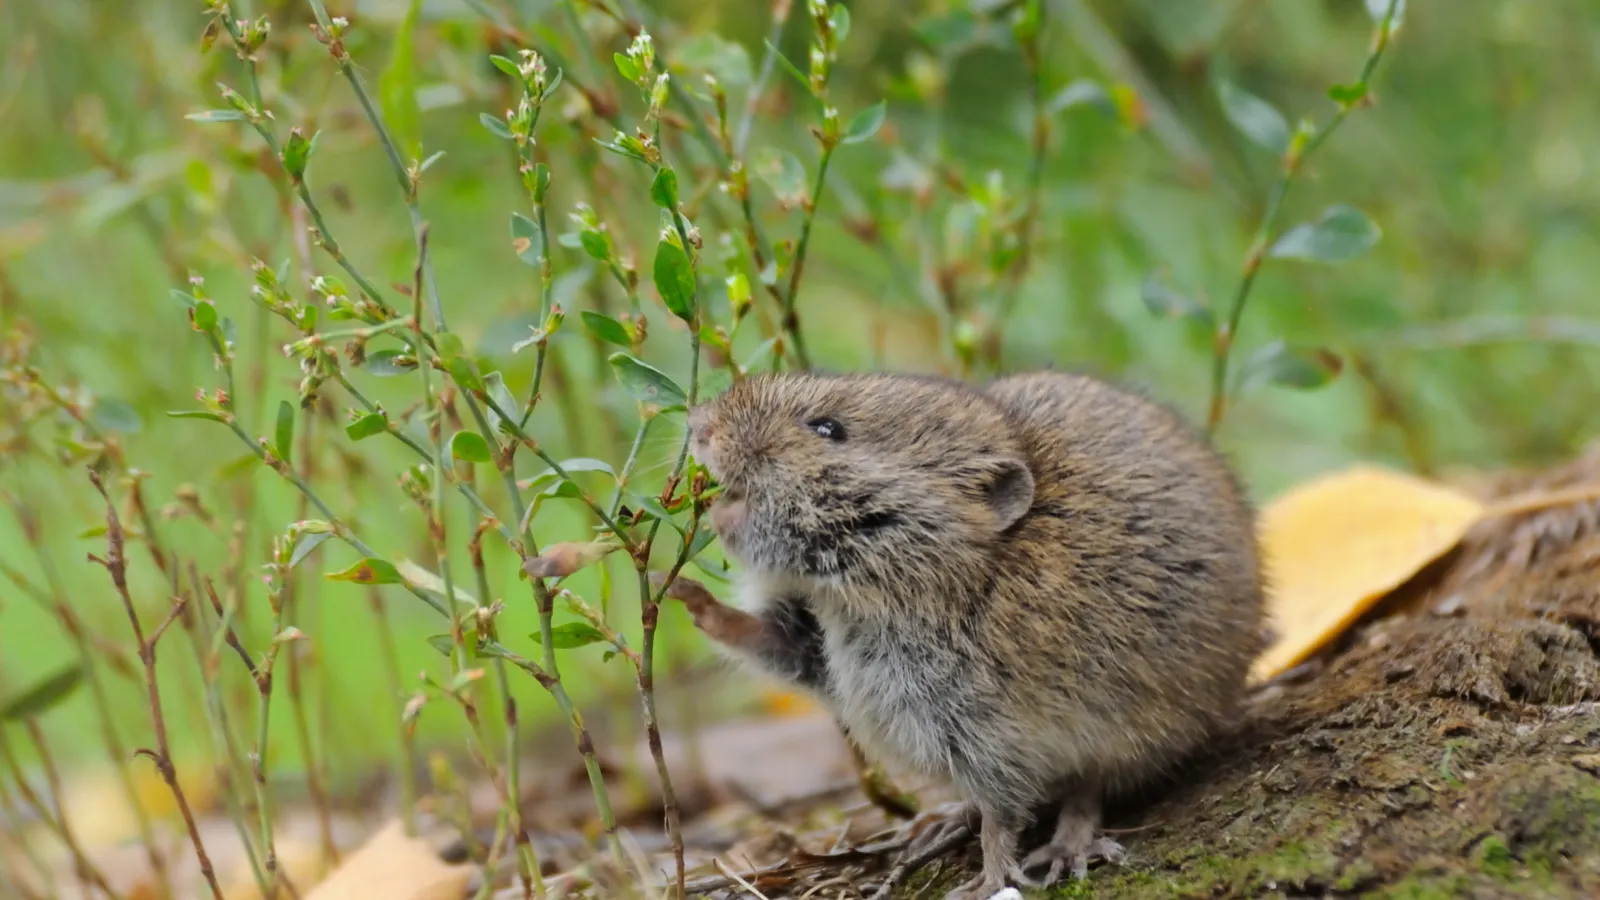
703	537
675	279
306	544
496	125
570	635
1301	368
783	61
595	244
388	363
198	414
369	571
1255	118
115	415
1083	92
606	328
710	52
647	384
507	66
205	316
449	346
840	20
1166	303
297	153
43	696
368	425
1347	94
443	643
397	88
571	467
525	239
652	507
626	66
469	446
216	115
863	125
1341	233
762	355
550	89
783	173
664	188
1378	9
494	385
285	431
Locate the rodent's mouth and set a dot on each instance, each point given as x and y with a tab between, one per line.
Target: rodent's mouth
727	517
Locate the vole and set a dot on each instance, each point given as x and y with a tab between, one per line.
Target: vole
1038	590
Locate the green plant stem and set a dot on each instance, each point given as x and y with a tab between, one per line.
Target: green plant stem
769	60
1293	160
627	466
791	319
1039	143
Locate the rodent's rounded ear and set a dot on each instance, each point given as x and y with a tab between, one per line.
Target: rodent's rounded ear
1010	491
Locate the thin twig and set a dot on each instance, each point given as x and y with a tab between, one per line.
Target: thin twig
115	563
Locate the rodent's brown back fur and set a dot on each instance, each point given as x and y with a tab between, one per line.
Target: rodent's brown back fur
1095	635
1142	535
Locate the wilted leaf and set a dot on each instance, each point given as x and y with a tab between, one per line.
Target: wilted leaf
426	581
675	279
368	571
390	864
647	384
525	239
114	415
1335	545
284	434
863	125
397	89
1302	368
1341	233
606	328
469	446
43	696
563	559
1255	118
570	635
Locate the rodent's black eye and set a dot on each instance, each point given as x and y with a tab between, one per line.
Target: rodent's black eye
827	428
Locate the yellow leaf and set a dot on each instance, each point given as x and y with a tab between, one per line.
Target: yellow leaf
779	703
1335	545
394	866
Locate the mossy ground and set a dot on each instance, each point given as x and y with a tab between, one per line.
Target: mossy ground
1448	757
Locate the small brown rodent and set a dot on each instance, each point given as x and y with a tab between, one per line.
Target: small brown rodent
1040	590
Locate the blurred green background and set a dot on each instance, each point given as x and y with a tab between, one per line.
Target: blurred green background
1472	320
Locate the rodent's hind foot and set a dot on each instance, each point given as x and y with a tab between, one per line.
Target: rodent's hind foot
1062	857
935	825
986	886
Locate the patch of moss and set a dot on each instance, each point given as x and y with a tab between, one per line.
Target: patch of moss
1495	859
